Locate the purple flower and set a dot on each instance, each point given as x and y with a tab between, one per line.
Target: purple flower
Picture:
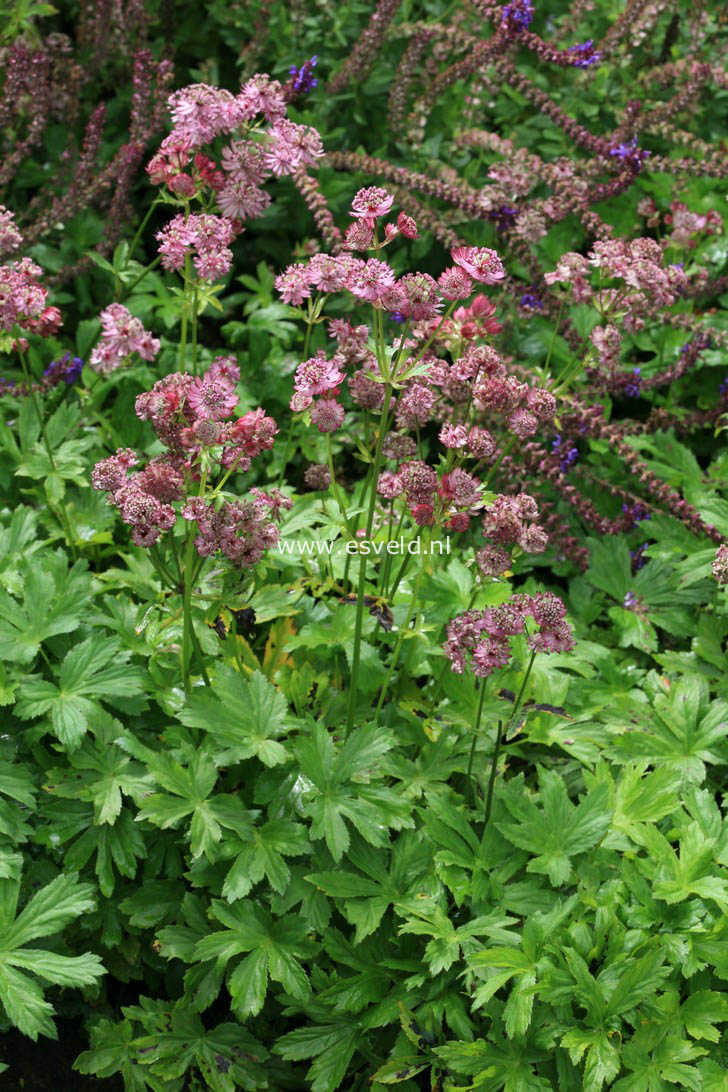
304	80
585	53
567	455
529	300
518	14
633	389
68	369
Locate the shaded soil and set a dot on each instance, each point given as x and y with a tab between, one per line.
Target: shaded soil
47	1066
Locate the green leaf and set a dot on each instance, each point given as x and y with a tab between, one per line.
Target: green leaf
244	716
559	829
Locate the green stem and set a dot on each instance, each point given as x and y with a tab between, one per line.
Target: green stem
335	485
499	738
400	640
362	557
147	269
476	731
141	227
61	514
194	329
185	308
188	636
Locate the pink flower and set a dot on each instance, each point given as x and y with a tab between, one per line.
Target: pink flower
241	199
371	280
21	297
453	436
212	397
406	226
455	284
262	95
255	432
480	262
204	233
10	237
294	285
121	335
371	202
292	146
318	375
201	112
327	415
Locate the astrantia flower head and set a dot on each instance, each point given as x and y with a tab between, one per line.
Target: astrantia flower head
318	375
10	237
291	147
212	397
418	298
294	285
455	283
206	236
720	565
22	298
200	113
121	335
327	415
480	262
262	95
371	202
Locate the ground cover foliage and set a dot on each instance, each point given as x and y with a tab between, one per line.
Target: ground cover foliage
440	802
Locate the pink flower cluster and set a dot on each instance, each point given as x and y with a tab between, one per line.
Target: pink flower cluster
23	299
191	415
510	521
10	237
206	236
241	530
415	296
648	285
142	499
479	639
121	335
200	114
720	565
686	225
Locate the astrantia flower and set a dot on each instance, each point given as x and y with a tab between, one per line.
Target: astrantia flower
455	284
318	375
10	237
420	298
292	146
121	335
201	112
212	397
327	415
371	202
22	298
262	95
255	432
294	285
480	262
207	236
720	565
242	200
371	280
317	476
